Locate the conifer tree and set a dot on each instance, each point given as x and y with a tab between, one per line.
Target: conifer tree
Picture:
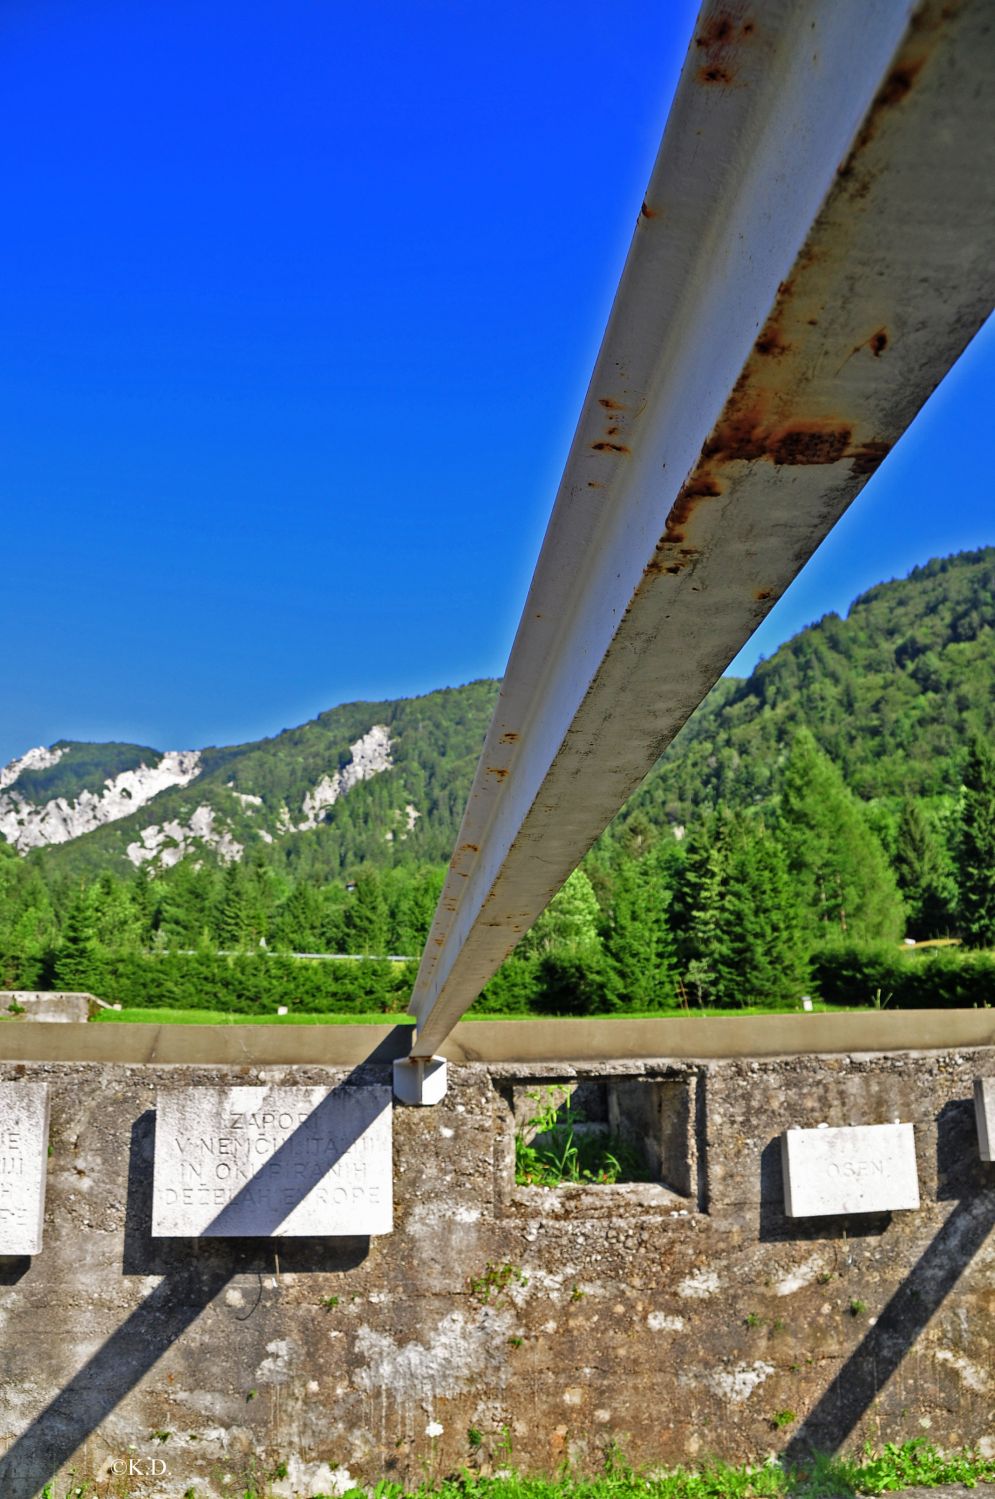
976	848
512	990
365	916
923	872
697	909
143	901
570	922
30	915
637	938
186	905
761	955
846	887
28	924
77	963
233	924
564	945
413	896
117	922
299	922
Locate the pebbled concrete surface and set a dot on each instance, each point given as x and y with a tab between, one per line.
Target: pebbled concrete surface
681	1319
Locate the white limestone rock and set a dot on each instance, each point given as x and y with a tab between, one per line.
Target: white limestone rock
411	815
28	826
38	758
370	755
246	798
168	843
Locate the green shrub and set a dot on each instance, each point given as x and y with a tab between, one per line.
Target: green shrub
573	983
941	978
252	983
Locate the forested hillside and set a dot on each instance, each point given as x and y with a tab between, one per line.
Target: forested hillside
802	823
892	694
380	782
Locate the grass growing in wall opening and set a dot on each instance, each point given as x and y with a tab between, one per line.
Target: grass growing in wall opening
550	1152
896	1466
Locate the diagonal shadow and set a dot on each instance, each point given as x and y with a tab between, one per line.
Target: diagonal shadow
307	1154
194	1272
916	1300
13	1267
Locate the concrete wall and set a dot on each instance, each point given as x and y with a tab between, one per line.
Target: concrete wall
678	1319
64	1006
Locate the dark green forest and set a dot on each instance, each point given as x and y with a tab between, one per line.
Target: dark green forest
805	822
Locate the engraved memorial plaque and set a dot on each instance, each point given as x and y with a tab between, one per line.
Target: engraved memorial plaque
857	1168
251	1162
984	1113
23	1160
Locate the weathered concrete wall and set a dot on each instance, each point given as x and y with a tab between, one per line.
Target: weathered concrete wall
678	1320
66	1006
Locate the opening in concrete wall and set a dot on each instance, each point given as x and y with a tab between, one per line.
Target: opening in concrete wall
604	1133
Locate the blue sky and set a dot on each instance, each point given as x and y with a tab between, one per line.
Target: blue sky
298	305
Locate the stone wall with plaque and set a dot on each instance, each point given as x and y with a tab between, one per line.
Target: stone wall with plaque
857	1168
194	1284
23	1160
251	1162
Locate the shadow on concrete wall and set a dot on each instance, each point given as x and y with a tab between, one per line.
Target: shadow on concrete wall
12	1267
963	1178
194	1272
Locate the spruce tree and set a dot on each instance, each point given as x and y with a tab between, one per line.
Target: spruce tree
637	939
117	922
572	976
570	922
698	907
232	925
77	965
28	924
413	896
187	905
761	956
976	848
365	919
512	990
923	872
846	887
299	922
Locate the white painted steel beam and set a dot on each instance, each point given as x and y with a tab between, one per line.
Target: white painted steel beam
814	251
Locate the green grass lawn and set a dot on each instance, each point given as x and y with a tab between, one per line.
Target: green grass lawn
895	1467
223	1017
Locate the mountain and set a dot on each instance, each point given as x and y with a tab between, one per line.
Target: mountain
382	782
892	693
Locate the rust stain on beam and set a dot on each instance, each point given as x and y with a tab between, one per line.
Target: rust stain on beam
812	254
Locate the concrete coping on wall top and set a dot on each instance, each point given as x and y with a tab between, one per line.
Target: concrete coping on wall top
506	1041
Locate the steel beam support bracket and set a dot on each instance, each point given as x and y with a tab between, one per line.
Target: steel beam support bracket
420	1080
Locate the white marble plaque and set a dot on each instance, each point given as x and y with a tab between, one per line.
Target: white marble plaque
23	1162
258	1162
858	1168
984	1113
